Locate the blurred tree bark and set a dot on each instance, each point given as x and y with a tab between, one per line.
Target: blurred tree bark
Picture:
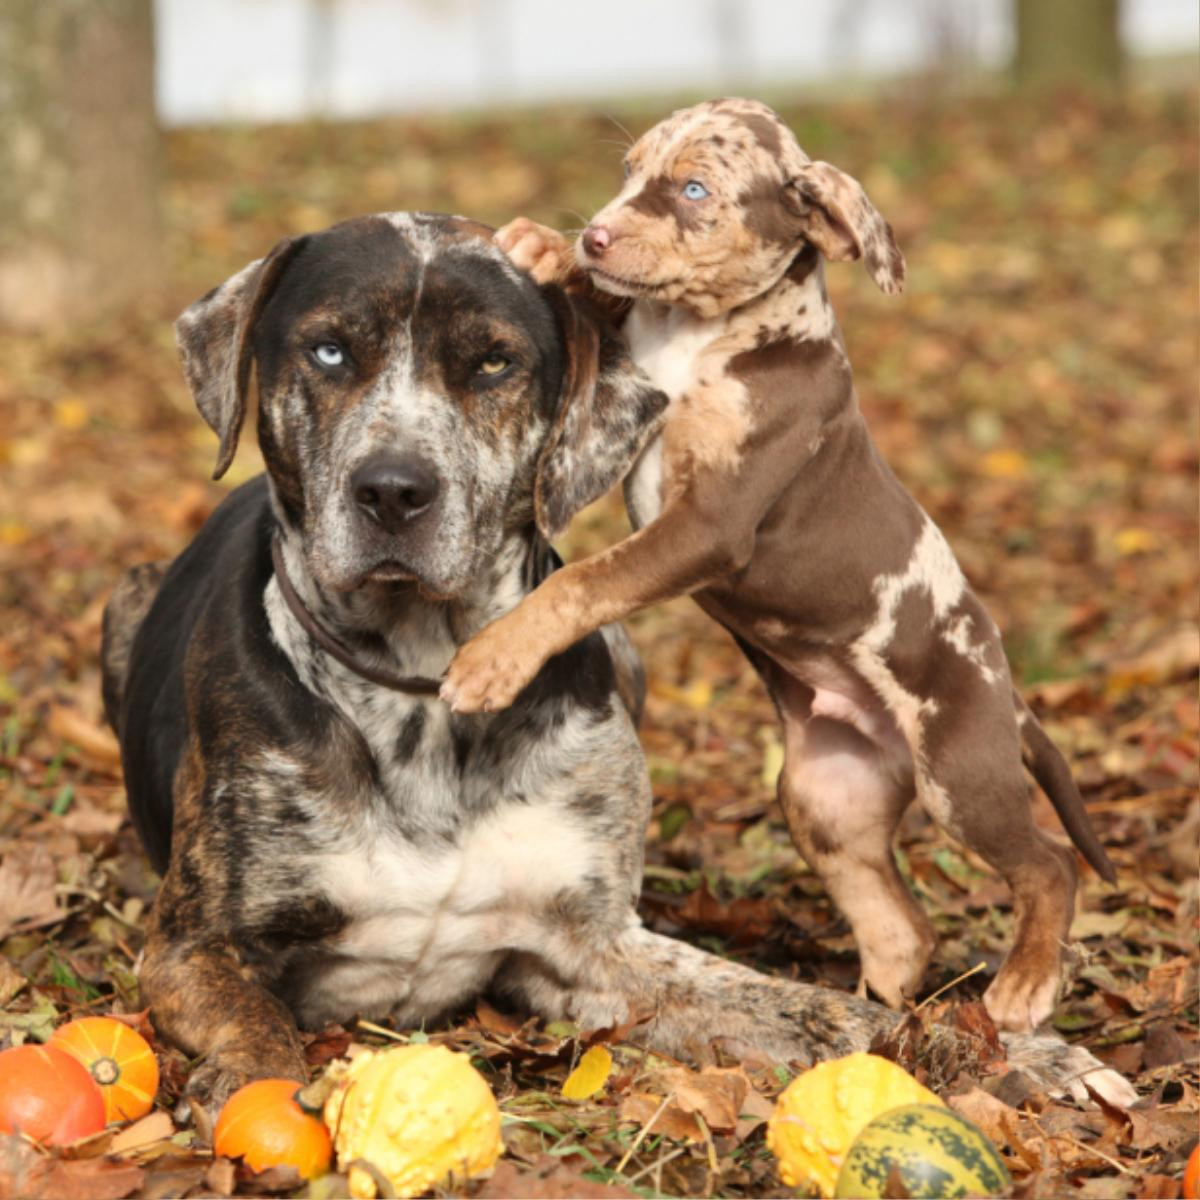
80	231
1068	42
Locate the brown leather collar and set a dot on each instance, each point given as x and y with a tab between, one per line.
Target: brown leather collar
414	685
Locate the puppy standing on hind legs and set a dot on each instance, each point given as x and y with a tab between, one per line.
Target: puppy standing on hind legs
765	498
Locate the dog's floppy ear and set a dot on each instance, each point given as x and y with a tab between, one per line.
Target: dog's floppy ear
608	410
213	336
838	219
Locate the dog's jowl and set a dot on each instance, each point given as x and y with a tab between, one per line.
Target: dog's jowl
333	840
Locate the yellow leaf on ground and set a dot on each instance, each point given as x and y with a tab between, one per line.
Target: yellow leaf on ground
589	1075
13	533
772	757
697	696
1135	540
70	413
1005	464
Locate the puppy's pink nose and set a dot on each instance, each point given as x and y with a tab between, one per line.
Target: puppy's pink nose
596	239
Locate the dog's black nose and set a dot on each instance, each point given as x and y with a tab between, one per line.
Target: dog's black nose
392	491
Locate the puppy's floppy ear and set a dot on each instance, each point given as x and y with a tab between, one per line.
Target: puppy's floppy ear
842	223
214	342
608	410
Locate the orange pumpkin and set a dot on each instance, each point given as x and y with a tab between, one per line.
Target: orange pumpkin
1191	1176
120	1061
48	1096
264	1124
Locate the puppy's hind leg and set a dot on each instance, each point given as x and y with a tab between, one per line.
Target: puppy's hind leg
974	787
843	800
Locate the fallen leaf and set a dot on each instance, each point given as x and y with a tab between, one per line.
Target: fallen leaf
1005	464
11	981
95	742
1136	540
744	921
1166	986
221	1176
26	1173
649	1111
155	1127
993	1116
548	1179
590	1075
716	1093
28	890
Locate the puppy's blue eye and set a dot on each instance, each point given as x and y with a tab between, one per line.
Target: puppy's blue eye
694	190
329	354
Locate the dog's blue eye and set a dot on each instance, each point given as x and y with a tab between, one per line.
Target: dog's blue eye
694	190
329	354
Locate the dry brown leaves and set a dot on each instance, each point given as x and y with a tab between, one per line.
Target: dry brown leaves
1035	388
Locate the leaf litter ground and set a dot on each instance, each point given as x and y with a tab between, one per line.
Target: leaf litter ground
1035	387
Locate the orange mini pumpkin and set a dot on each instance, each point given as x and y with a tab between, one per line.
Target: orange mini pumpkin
1191	1176
264	1124
48	1096
120	1061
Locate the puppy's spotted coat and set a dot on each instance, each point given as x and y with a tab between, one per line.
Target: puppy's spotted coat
766	499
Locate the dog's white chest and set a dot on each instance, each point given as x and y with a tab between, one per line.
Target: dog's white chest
428	923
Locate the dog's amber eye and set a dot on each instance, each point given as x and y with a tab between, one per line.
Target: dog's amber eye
494	364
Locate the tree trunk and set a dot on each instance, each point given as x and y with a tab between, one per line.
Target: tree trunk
80	232
1068	42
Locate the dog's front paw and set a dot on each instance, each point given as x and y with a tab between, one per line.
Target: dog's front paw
223	1072
541	251
1067	1070
491	670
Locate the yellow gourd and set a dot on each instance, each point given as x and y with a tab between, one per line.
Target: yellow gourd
820	1113
416	1114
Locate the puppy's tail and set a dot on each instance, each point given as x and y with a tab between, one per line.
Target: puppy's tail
1049	768
678	1000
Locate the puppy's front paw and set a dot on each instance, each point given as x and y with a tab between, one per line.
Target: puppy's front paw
541	251
491	670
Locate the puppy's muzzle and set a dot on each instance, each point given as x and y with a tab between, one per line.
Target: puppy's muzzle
392	491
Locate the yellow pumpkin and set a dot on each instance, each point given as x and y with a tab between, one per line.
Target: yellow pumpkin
820	1113
416	1114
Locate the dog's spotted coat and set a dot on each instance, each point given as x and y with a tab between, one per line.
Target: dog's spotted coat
331	847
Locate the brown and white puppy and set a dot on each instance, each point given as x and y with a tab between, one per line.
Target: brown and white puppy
766	499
